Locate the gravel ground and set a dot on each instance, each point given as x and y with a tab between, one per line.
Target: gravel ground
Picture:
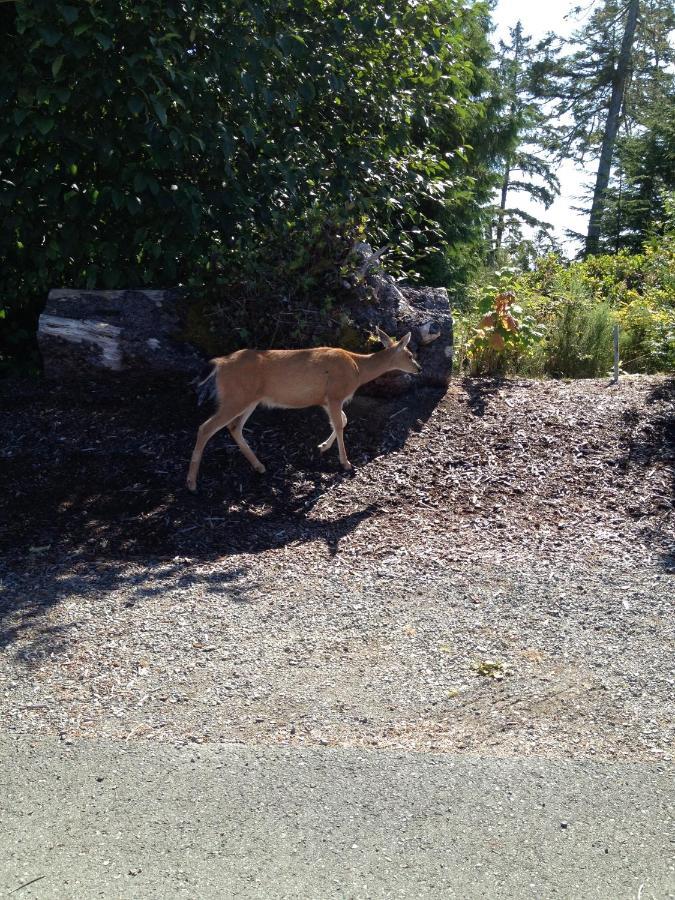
495	579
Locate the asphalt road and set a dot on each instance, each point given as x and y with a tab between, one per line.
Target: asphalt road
118	820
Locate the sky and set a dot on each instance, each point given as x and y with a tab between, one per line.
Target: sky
538	19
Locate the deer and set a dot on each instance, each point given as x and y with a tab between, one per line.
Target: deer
292	379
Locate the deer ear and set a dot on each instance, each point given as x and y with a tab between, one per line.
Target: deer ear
405	340
384	338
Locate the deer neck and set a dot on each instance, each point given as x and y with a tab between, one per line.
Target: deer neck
373	365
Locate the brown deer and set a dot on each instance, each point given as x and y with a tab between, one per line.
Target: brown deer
324	376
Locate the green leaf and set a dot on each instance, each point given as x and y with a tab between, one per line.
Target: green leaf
136	104
160	110
44	125
50	36
20	115
103	40
70	14
292	44
307	91
249	82
56	65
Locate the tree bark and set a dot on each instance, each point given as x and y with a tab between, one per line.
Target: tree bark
502	204
611	128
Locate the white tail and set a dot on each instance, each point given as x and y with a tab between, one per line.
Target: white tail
324	376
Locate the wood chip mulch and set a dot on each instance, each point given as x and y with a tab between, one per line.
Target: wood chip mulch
98	469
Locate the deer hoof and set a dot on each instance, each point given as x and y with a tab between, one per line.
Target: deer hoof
348	467
260	468
191	485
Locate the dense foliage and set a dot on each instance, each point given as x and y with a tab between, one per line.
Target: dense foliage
569	310
643	181
245	149
191	141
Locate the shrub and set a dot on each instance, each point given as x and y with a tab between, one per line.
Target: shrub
575	306
579	340
502	336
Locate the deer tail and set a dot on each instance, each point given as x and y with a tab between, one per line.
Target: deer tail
205	384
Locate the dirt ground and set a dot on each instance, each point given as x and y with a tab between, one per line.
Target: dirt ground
495	577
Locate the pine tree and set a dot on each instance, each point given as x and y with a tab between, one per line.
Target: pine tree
525	168
619	65
643	180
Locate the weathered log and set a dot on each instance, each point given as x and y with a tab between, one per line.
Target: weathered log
115	330
143	331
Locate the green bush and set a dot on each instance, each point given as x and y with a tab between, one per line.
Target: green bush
579	340
168	142
576	305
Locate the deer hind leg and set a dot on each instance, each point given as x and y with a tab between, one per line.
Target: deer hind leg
236	427
338	420
328	443
220	419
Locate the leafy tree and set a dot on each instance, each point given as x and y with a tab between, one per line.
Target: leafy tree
643	181
470	139
620	75
165	141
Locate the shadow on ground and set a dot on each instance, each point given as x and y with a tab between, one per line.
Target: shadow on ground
104	472
93	480
650	445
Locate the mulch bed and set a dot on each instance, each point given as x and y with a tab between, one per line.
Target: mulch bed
97	468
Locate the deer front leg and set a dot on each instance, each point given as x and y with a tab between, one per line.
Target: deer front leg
328	443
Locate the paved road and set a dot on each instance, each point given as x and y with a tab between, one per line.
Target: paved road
148	821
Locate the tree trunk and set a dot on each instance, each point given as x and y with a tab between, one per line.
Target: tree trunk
611	128
502	204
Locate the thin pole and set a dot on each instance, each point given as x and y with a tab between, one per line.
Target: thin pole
616	354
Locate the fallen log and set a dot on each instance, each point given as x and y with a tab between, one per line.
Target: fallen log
144	331
115	331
